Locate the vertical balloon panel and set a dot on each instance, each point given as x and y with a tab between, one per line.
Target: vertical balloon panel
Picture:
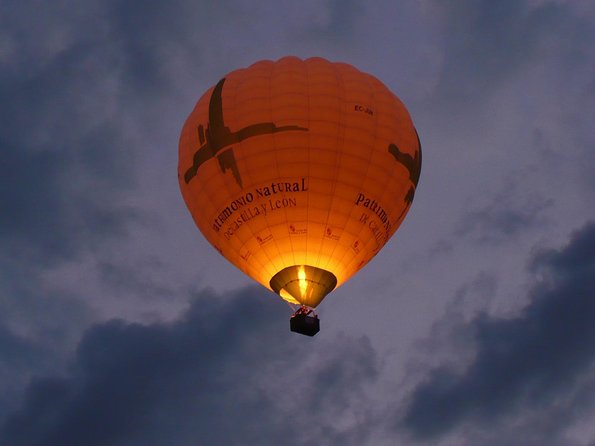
298	172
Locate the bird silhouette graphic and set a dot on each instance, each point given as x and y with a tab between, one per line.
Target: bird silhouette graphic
219	137
411	163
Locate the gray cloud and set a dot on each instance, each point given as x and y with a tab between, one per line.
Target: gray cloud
64	153
341	23
486	43
38	329
19	356
228	372
505	218
66	166
45	216
525	363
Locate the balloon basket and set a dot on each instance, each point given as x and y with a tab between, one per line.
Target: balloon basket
304	321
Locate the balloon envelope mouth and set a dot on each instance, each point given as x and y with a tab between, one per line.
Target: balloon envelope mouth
303	284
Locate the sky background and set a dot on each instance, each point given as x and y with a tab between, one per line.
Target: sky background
121	326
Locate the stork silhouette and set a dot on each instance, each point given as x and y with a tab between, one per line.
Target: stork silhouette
218	137
411	163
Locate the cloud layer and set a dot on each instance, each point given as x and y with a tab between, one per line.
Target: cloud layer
532	361
227	372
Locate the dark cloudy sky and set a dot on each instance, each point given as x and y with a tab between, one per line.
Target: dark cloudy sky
121	326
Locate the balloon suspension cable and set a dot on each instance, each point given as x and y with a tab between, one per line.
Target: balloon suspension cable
293	307
306	311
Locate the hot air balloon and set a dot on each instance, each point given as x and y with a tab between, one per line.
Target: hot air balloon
298	172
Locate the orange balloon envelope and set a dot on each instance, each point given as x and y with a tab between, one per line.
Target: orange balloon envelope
299	172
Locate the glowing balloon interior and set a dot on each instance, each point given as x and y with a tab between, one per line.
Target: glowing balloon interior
299	172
